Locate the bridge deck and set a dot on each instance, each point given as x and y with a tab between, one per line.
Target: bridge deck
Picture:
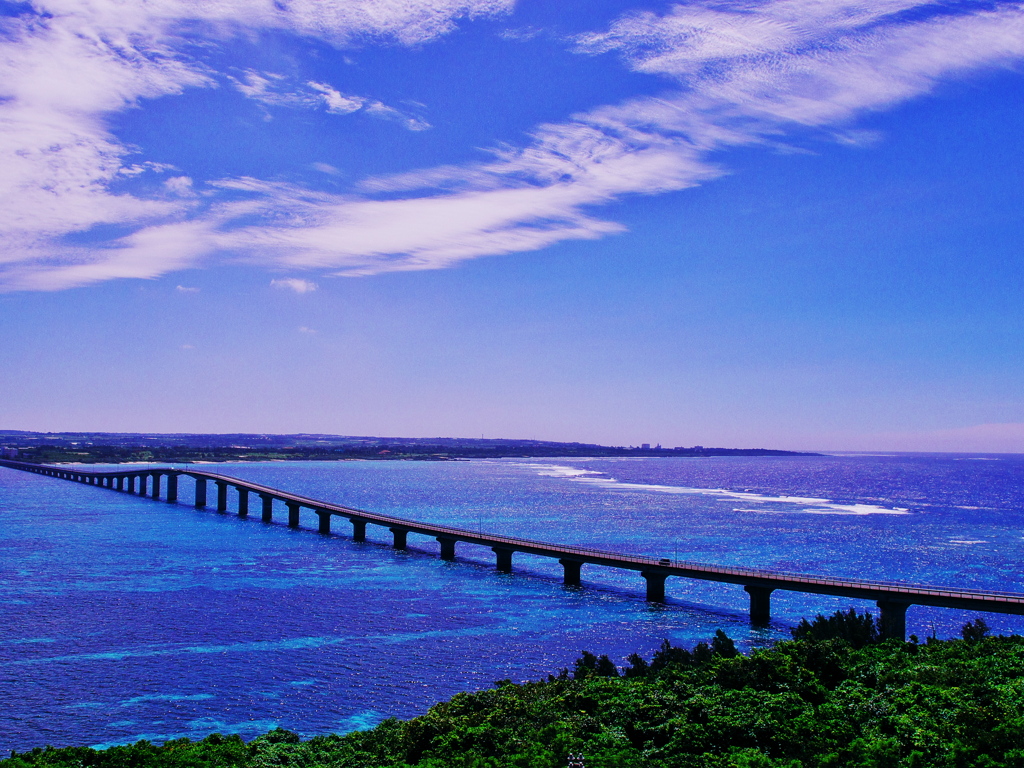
885	592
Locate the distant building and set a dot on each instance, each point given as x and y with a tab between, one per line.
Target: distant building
9	453
645	446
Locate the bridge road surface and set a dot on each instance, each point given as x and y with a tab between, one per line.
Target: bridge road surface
892	598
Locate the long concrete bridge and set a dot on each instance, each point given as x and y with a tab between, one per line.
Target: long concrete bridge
892	598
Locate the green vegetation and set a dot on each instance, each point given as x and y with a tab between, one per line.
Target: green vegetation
815	701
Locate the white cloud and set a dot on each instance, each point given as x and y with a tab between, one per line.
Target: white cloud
180	186
187	289
751	76
276	90
66	64
150	252
304	329
524	201
335	101
295	284
383	111
748	72
325	168
743	73
272	89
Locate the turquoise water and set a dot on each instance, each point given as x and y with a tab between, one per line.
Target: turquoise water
127	618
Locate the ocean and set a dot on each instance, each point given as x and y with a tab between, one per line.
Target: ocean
126	618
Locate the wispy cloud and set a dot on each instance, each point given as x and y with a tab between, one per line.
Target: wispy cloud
739	74
187	289
294	284
327	168
277	90
759	74
801	62
65	66
524	201
344	104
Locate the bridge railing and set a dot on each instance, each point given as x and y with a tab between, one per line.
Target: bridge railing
892	587
889	587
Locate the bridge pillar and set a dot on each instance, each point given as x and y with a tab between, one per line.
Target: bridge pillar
131	483
358	529
400	536
571	576
156	485
893	620
504	557
200	492
120	483
293	513
222	495
447	548
655	586
243	501
172	489
760	604
325	521
143	479
268	507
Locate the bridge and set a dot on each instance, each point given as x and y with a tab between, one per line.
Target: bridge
892	598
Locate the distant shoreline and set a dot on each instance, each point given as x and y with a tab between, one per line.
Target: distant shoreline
127	448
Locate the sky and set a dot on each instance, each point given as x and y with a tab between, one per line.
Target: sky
773	223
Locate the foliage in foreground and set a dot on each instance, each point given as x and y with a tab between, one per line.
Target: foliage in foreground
811	702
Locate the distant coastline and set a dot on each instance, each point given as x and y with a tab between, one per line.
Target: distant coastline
135	447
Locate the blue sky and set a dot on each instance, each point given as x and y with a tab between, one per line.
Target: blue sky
788	223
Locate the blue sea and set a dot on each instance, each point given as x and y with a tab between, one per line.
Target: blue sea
126	618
